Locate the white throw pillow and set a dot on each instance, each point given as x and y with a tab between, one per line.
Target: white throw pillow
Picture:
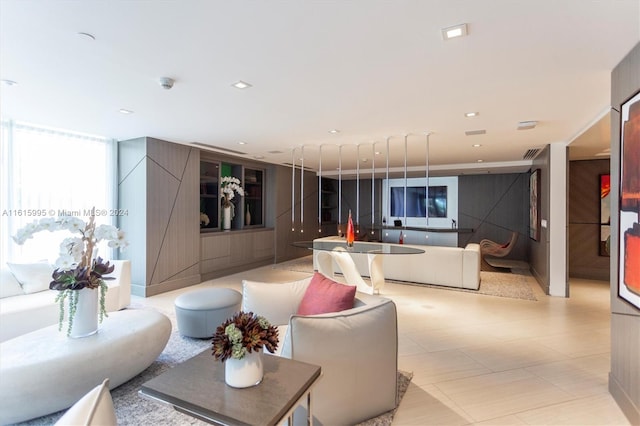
95	408
9	286
33	277
259	297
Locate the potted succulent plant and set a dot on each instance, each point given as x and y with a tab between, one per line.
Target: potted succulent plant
238	343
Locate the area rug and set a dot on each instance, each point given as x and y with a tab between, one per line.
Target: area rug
514	285
133	410
384	419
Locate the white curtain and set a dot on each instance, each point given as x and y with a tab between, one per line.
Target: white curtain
48	173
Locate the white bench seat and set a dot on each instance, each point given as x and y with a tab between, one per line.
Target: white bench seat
45	371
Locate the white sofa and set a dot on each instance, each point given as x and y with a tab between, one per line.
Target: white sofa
446	266
356	348
24	309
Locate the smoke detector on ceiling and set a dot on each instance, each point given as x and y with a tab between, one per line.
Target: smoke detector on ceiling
166	82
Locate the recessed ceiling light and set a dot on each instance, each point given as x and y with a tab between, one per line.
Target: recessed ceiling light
454	31
242	143
334	131
87	36
241	85
479	161
9	82
476	145
471	114
378	152
125	111
525	125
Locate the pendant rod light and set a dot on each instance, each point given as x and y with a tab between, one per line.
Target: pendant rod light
302	189
405	180
373	195
293	189
340	191
427	179
357	188
320	191
388	207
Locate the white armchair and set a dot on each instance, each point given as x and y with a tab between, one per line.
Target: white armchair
357	349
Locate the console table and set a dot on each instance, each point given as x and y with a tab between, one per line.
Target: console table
337	249
197	388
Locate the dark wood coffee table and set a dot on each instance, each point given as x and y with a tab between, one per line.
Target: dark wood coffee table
197	388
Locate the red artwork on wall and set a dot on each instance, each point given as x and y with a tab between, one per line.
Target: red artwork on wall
605	215
629	260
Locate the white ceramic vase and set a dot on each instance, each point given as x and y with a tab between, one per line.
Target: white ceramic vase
85	320
245	372
247	216
226	217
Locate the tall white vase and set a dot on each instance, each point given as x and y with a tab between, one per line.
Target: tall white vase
226	217
85	320
245	372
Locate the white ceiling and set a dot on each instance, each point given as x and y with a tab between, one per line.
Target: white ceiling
372	69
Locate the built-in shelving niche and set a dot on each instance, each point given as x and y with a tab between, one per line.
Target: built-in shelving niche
248	209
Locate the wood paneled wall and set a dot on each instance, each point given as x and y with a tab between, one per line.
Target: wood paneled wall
584	220
539	250
624	378
158	183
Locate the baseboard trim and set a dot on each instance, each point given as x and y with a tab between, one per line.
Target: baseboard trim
624	401
540	279
163	287
234	270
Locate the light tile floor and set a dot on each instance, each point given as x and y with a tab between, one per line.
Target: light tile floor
489	360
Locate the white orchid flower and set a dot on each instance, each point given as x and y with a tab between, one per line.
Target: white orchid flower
65	262
67	245
106	232
22	236
31	228
73	224
48	224
119	241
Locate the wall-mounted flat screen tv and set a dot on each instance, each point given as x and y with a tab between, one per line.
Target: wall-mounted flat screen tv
416	201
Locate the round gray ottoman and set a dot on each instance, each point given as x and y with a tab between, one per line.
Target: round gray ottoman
200	312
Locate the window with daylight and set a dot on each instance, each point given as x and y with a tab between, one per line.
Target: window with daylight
49	173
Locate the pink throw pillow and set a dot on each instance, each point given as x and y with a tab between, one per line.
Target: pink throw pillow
325	295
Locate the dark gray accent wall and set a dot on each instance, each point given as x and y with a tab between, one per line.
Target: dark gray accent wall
624	378
349	202
495	205
584	220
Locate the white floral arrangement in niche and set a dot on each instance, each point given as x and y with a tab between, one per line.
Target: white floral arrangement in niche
230	186
77	267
